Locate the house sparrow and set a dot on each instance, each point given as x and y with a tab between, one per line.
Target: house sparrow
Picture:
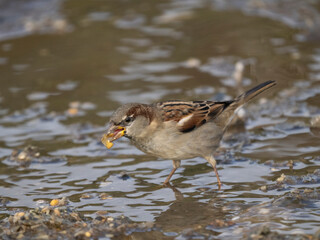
177	130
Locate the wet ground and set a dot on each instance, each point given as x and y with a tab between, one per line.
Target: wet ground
66	66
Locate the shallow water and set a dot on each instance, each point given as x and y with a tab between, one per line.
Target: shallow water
60	85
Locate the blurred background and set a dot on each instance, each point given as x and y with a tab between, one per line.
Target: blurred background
66	65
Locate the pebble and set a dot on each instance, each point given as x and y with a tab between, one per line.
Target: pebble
281	178
263	188
192	63
315	121
31	154
124	176
22	156
104	196
86	196
54	202
72	111
59	202
110	219
102	212
46	210
57	212
18	216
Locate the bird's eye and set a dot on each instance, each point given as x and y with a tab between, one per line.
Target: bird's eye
128	119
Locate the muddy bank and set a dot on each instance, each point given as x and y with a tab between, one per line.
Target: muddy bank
66	223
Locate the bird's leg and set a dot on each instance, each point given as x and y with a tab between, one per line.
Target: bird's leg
176	164
213	163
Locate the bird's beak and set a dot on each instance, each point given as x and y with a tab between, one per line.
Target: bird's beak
114	133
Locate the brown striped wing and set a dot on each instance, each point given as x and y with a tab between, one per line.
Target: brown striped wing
191	114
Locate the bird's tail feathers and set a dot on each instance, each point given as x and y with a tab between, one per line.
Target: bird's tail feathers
226	117
248	95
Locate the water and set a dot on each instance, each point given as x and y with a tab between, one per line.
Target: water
60	84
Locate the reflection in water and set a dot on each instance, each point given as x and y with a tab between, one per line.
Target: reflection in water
58	90
191	215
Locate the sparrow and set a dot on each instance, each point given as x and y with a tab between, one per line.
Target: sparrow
176	129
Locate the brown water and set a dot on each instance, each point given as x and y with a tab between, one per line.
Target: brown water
60	82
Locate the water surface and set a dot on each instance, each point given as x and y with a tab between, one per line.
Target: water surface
59	85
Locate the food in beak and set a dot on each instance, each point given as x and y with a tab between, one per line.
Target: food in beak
113	134
106	141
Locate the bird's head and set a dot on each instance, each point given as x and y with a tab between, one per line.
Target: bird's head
129	120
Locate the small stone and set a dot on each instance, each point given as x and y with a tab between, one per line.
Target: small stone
263	188
54	202
100	218
104	196
46	210
56	211
192	63
308	190
102	212
18	216
63	201
22	155
86	196
75	216
290	164
281	178
124	176
73	111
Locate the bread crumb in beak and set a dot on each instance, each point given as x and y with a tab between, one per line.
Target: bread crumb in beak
107	139
109	144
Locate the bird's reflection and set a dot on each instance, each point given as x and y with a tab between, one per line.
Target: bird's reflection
192	213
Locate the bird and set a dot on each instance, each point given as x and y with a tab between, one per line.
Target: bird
178	130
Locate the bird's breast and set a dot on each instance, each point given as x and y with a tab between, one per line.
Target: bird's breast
169	143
